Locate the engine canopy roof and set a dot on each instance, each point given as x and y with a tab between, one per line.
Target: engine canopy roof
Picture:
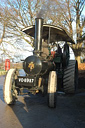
56	33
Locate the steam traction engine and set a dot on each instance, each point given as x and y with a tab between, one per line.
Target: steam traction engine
47	70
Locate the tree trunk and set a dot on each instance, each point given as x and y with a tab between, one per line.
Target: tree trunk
78	59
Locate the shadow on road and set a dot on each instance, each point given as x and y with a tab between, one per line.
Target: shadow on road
32	112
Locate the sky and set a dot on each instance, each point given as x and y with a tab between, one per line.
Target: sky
16	54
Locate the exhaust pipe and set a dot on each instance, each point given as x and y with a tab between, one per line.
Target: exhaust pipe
38	35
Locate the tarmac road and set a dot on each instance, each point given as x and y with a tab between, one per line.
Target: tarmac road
32	111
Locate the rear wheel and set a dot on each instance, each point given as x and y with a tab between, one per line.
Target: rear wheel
52	87
65	55
70	78
9	90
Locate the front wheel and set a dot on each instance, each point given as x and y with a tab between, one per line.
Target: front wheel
9	90
52	87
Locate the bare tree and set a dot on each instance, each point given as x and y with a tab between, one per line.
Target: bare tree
2	25
80	25
21	14
66	13
14	16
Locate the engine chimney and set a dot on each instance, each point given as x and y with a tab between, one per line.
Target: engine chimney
38	35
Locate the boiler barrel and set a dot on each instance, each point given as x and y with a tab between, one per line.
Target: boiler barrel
34	65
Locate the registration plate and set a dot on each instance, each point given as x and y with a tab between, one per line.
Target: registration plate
26	80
